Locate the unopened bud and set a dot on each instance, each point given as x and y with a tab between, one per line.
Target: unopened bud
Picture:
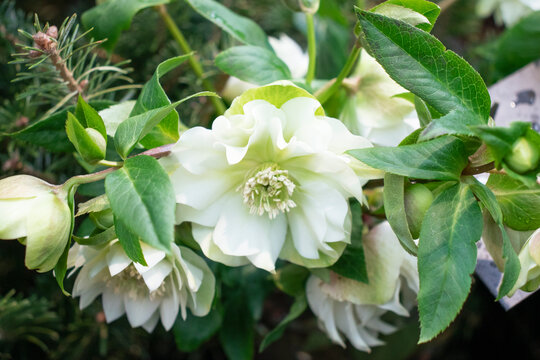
52	32
306	6
98	139
524	156
43	41
418	199
37	213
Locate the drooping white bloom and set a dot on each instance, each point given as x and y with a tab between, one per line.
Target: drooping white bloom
144	293
529	259
287	50
349	308
37	213
374	111
269	180
507	12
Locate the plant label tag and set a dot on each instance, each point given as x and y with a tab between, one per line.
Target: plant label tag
514	98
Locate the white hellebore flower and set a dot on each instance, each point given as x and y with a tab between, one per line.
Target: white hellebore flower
288	51
349	308
270	179
507	12
37	213
144	293
529	258
374	111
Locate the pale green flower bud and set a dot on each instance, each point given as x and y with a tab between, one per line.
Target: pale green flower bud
98	139
37	213
529	258
524	157
306	6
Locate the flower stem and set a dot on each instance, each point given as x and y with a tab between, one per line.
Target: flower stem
193	62
329	90
108	163
312	48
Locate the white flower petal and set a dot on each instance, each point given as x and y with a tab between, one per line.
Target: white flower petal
139	310
150	325
154	277
204	237
169	311
113	305
152	256
117	260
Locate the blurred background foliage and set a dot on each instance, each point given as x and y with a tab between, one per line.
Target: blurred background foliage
37	321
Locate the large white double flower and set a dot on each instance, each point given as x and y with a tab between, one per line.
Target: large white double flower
270	179
349	308
167	285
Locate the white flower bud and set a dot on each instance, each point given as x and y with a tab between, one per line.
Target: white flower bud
36	212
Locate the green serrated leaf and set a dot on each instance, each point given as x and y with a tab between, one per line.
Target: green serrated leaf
130	242
97	239
297	308
443	158
90	145
153	97
511	265
192	332
241	28
394	207
94	205
111	17
253	64
519	204
352	264
397	9
447	257
132	130
421	64
142	200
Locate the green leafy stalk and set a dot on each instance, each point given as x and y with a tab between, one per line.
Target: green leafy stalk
193	62
327	91
312	48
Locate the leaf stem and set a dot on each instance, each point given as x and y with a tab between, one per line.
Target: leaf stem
312	48
193	62
109	163
327	91
475	170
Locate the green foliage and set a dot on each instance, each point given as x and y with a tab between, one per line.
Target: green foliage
519	204
110	27
91	146
190	333
352	263
419	13
421	64
519	45
239	27
443	158
143	203
236	334
394	206
253	64
447	257
418	199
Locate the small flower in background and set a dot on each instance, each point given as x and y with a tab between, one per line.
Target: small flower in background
507	12
270	179
349	308
37	213
374	111
529	258
144	293
287	50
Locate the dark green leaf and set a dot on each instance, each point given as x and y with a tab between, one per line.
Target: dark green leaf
253	64
112	17
241	28
352	263
90	144
130	242
142	200
153	97
511	265
192	332
135	128
422	110
443	158
421	64
237	334
429	11
51	132
519	45
519	204
394	207
98	239
447	257
297	309
456	122
291	279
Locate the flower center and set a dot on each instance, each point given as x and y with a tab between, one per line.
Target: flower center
131	282
269	190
